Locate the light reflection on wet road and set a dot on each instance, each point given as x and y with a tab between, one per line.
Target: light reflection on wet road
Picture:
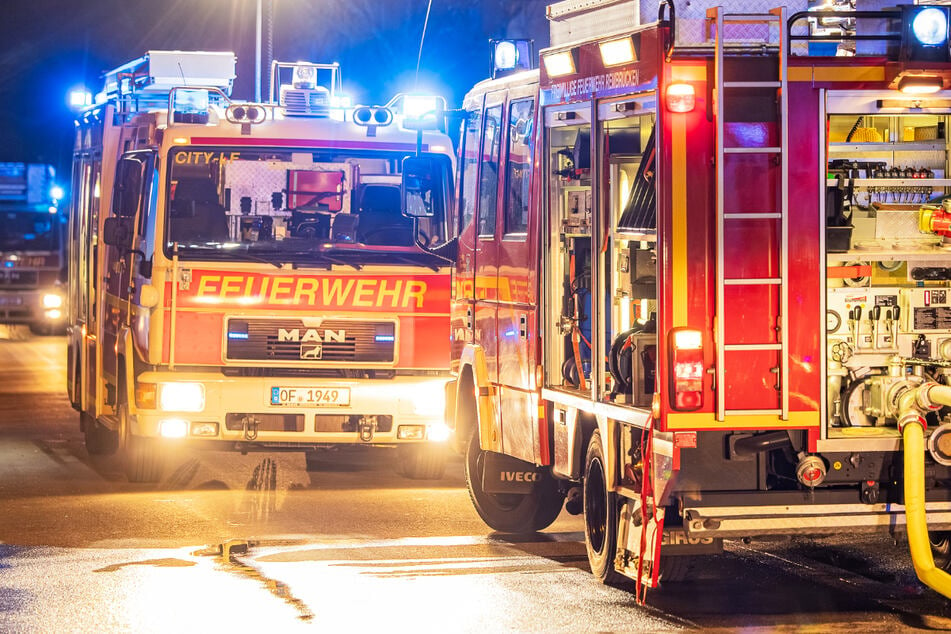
233	543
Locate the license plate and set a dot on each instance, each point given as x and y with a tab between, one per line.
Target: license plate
310	396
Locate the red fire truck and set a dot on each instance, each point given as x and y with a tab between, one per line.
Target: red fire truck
703	285
243	276
32	292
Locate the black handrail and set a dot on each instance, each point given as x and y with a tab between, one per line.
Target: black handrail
672	21
830	13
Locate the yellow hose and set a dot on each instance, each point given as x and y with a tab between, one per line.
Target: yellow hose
918	542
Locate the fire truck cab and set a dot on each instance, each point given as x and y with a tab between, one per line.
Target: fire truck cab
244	276
32	266
702	282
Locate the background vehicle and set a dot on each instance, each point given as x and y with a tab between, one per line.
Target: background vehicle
243	276
682	213
31	248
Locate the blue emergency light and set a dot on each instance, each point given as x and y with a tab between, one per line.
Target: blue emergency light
925	30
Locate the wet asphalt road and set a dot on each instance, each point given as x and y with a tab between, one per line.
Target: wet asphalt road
240	543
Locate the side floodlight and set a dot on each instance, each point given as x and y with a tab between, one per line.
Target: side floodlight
925	33
80	98
511	56
422	112
681	97
560	64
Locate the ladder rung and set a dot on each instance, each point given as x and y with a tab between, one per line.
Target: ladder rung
751	281
735	347
752	150
749	17
753	216
752	84
746	412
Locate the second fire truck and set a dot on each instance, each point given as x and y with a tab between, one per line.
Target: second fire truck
243	276
703	288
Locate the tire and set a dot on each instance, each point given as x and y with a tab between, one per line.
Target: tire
511	513
99	440
941	549
422	462
674	569
143	457
600	515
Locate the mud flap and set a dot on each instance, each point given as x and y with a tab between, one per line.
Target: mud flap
505	474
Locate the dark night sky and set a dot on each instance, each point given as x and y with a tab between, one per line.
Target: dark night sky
50	46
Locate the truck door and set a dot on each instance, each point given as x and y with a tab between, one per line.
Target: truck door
516	328
487	240
463	312
625	271
129	201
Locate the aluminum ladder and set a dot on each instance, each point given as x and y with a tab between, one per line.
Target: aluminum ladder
775	19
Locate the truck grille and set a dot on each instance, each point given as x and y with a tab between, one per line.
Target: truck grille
334	341
13	278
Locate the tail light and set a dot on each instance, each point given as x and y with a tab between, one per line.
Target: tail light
686	369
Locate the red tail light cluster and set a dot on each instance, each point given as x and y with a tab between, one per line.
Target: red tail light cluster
686	369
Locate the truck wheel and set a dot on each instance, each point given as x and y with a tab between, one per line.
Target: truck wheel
600	515
674	569
941	549
143	457
511	513
100	441
422	462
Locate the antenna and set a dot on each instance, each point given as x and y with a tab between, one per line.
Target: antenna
422	38
182	73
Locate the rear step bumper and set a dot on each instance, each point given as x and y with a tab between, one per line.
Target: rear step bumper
746	521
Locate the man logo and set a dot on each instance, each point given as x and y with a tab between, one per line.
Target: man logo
309	353
311	334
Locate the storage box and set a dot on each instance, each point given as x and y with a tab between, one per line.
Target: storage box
838	239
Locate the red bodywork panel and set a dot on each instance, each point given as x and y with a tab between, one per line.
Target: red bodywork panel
418	302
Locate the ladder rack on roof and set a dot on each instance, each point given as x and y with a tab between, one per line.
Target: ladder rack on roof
147	81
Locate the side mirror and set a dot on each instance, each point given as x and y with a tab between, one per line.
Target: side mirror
117	231
419	186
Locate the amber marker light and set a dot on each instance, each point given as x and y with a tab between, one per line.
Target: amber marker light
680	97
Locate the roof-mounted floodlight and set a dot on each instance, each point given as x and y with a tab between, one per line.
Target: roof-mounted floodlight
511	56
560	64
618	51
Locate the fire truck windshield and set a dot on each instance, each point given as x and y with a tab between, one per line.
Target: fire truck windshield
27	231
290	205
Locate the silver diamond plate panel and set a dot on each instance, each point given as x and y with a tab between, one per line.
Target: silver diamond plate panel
256	180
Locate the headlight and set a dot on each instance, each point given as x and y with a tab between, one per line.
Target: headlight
182	397
52	300
429	400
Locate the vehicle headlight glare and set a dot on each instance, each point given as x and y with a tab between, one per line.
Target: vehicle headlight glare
930	27
52	300
182	397
438	433
173	428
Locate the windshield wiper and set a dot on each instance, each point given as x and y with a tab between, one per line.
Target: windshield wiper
232	254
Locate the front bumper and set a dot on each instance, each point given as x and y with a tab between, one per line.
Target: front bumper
25	306
402	410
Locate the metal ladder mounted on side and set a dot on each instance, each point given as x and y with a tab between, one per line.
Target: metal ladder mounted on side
717	18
